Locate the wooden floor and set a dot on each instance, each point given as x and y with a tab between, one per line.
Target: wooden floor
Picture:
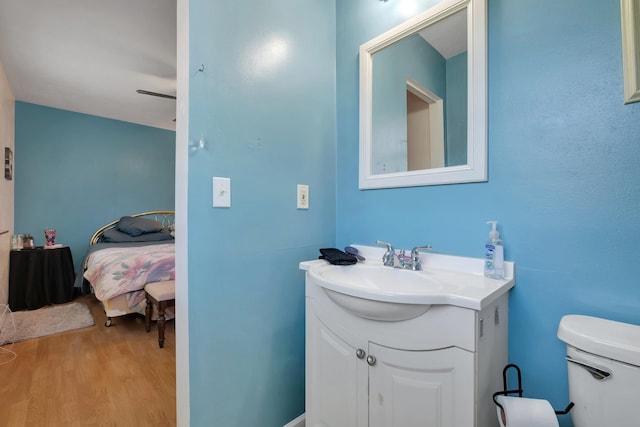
97	376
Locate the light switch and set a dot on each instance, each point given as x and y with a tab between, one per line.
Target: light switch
221	192
303	196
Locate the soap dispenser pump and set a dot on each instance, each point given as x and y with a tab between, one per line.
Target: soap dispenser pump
494	254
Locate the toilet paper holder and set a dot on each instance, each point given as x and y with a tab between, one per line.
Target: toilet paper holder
518	391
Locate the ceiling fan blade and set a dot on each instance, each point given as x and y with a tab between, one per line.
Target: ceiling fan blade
160	95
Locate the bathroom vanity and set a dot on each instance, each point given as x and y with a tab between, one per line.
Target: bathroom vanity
389	347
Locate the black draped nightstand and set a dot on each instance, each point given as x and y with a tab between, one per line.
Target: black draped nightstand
39	277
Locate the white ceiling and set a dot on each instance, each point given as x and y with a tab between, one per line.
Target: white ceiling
90	56
448	36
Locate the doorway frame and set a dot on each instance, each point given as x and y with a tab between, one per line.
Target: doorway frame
183	410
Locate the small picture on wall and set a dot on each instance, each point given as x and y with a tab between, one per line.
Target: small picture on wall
8	163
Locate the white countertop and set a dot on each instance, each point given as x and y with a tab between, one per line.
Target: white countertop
445	279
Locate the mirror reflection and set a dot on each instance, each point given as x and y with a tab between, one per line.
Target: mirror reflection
423	99
419	99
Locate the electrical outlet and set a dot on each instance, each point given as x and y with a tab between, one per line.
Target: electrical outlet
303	196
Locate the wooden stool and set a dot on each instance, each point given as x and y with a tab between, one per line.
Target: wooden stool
163	295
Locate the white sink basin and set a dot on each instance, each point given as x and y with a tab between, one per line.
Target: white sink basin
445	279
376	281
377	310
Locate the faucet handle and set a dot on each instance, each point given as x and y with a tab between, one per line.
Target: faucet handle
415	252
415	257
388	257
388	245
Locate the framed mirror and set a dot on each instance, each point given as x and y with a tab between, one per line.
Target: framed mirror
423	99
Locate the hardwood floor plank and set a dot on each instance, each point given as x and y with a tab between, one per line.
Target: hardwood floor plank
96	376
17	414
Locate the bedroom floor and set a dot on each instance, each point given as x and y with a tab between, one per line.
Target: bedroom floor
95	376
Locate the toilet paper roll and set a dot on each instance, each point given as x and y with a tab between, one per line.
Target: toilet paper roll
523	412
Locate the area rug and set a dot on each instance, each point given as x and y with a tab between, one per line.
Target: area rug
44	321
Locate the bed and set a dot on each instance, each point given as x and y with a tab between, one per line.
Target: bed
126	254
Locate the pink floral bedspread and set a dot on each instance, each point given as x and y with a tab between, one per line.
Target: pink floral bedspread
116	271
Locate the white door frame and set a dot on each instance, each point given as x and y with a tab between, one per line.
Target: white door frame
181	208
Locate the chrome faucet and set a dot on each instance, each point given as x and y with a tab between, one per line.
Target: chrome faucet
392	259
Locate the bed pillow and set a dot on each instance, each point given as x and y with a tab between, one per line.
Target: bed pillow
115	236
138	226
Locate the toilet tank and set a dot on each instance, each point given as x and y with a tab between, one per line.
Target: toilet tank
603	359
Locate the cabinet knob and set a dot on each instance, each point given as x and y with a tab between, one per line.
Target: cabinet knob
371	360
360	353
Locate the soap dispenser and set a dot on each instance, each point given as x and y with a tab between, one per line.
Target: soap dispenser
494	254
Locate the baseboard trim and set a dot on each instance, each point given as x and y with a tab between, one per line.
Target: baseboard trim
298	422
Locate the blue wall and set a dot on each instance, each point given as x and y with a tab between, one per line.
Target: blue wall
75	173
265	105
563	181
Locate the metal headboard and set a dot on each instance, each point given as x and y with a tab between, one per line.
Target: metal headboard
166	218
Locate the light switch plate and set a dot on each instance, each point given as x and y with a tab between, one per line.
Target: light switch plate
221	192
303	196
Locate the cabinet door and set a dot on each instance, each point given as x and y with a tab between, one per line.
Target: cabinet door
421	388
335	396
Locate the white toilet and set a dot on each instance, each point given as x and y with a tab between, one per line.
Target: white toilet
603	359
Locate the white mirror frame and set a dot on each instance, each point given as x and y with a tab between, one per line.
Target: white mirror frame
476	168
630	19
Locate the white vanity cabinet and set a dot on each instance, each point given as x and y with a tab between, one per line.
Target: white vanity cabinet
420	388
335	370
438	369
